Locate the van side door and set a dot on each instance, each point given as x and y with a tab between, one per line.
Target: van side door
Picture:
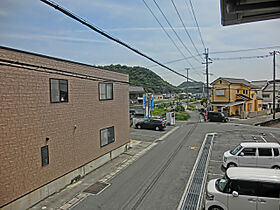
246	198
268	196
247	157
264	158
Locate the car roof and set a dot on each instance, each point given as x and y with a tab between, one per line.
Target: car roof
254	174
260	144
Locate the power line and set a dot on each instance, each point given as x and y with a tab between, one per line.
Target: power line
217	52
241	58
185	58
193	12
173	61
103	33
175	31
246	50
184	26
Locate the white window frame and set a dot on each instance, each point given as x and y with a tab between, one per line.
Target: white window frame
104	91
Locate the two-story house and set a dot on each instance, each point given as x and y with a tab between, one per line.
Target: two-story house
267	95
59	120
234	96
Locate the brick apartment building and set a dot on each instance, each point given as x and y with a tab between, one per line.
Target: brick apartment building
59	120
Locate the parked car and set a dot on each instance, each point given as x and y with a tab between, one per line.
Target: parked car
216	117
244	188
156	124
253	154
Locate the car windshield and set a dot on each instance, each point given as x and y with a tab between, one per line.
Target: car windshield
221	184
236	150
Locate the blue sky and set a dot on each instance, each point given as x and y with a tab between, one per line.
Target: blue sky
33	26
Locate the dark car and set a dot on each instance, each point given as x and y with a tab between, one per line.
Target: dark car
155	124
216	117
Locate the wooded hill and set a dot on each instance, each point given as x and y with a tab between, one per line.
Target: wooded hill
193	87
140	76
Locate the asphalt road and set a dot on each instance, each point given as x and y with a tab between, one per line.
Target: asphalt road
158	178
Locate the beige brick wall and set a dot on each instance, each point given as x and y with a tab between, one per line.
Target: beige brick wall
27	117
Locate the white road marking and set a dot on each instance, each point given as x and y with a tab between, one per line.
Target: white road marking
168	133
263	139
272	135
216	161
211	174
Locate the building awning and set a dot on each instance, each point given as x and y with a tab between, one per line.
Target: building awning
228	104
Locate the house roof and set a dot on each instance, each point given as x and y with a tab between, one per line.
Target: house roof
234	81
260	84
136	89
269	87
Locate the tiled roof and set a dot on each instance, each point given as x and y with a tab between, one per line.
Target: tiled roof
235	81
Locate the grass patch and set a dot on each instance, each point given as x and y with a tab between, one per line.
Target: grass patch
158	111
182	116
191	107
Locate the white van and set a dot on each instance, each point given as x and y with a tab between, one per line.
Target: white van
244	188
252	154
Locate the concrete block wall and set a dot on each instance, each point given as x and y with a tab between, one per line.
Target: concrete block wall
27	118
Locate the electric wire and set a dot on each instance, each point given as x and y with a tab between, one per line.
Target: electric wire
173	3
218	52
173	61
185	58
245	50
193	12
242	58
175	31
103	33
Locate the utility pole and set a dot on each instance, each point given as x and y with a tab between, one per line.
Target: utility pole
274	84
207	75
187	86
273	100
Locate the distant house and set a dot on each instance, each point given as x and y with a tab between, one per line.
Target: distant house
158	97
267	95
234	96
136	95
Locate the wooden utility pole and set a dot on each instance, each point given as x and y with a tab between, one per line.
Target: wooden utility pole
187	86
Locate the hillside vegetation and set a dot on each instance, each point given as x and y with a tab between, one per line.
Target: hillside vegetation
140	76
193	87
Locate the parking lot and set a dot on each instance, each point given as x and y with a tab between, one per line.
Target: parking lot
231	136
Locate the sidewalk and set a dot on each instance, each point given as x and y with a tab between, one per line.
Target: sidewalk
253	121
74	192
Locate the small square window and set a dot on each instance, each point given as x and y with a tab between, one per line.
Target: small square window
58	90
105	91
107	136
45	155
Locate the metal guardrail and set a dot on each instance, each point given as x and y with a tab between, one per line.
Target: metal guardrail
192	198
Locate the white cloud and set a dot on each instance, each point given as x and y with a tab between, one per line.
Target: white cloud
48	37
